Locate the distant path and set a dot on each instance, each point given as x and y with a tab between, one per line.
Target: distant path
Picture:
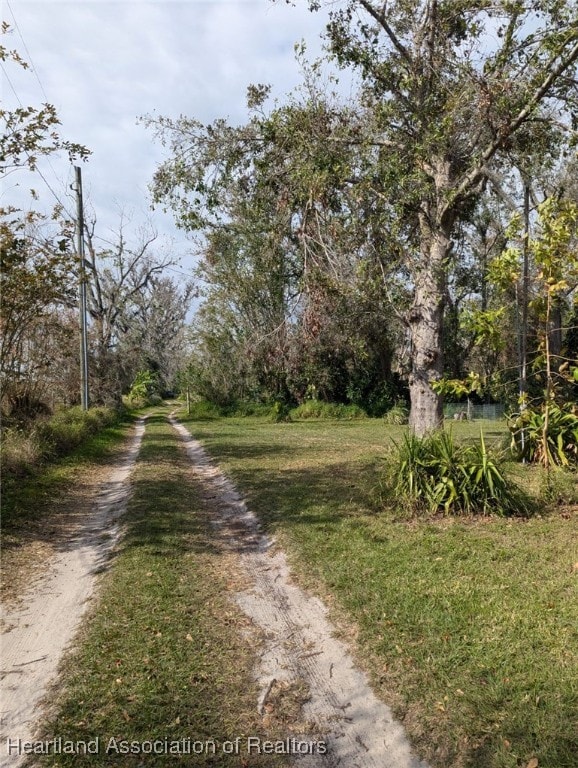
299	643
38	628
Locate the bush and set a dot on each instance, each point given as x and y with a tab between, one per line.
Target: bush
280	412
144	390
247	408
67	429
317	409
558	446
51	438
379	398
203	409
398	415
20	452
435	474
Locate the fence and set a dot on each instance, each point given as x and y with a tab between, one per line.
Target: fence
473	411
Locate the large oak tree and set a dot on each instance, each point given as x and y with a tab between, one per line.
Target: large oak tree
455	87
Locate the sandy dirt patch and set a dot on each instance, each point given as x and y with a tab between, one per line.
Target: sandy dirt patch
300	651
38	627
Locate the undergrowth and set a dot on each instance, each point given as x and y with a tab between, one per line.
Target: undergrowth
546	436
24	451
278	411
317	409
436	473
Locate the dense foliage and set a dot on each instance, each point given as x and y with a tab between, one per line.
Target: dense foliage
346	242
360	251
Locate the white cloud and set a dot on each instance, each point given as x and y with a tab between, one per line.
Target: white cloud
104	63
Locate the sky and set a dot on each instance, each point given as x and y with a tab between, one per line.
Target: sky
104	63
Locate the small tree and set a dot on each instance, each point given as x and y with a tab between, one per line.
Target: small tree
548	432
556	256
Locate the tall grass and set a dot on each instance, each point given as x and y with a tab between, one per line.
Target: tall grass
317	409
48	439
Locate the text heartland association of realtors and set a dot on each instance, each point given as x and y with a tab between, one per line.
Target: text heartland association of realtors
250	745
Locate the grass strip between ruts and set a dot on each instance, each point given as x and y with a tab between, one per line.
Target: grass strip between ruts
467	627
165	658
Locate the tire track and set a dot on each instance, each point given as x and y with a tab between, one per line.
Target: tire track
37	630
300	645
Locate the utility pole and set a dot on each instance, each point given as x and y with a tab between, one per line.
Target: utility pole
525	286
84	395
523	330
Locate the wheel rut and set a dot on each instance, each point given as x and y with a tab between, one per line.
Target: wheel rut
300	650
341	723
37	629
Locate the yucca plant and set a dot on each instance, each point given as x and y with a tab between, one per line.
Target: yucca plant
436	474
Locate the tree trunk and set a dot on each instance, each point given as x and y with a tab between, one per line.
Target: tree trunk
426	326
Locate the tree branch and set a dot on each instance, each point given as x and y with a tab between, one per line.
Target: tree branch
379	16
480	170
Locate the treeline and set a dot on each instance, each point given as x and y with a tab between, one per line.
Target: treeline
412	241
136	317
136	313
368	249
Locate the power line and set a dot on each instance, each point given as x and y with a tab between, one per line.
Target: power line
33	67
28	54
36	169
28	155
179	272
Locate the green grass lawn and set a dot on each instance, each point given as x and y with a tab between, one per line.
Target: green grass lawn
467	627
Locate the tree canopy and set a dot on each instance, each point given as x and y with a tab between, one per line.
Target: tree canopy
452	93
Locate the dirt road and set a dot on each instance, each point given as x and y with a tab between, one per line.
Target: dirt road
299	649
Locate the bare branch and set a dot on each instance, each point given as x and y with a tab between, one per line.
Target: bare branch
379	16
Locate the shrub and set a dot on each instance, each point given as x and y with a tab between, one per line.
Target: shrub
280	412
399	414
51	438
68	428
436	474
203	409
144	387
20	452
247	408
317	409
558	444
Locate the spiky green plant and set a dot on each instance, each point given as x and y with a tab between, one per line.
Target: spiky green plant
550	442
436	474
